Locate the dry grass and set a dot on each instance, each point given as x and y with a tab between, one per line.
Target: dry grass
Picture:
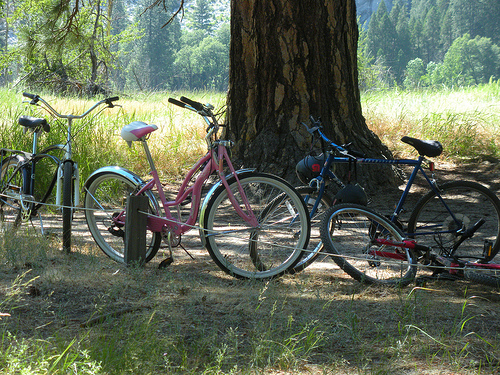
465	121
192	318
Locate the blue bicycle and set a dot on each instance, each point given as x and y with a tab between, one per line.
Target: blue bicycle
438	219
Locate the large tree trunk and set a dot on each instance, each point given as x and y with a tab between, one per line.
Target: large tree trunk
290	60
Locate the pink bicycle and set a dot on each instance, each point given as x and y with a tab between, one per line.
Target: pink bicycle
254	225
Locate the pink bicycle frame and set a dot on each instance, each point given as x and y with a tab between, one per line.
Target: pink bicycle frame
214	163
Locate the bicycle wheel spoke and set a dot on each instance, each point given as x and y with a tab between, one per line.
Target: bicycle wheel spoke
434	224
12	208
315	246
105	199
271	248
348	233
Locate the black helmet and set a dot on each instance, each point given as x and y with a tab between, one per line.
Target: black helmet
309	167
352	194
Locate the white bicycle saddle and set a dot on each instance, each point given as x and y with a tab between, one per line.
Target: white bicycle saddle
136	130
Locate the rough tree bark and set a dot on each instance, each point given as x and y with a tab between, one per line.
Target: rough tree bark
290	60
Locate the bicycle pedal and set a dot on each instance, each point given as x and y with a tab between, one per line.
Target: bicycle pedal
487	249
165	263
118	232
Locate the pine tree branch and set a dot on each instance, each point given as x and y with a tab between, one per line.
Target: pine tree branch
158	2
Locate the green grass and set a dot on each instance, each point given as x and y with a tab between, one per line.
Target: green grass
83	314
175	146
464	121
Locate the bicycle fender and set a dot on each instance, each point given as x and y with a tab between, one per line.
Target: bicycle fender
128	175
53	147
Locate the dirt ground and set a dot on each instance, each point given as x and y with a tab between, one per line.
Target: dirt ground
69	291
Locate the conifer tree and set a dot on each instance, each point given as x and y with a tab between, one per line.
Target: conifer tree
431	34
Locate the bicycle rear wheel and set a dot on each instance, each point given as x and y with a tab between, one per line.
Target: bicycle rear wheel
106	197
262	252
348	231
12	209
315	247
432	224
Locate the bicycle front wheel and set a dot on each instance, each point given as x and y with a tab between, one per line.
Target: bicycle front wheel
105	199
12	185
348	232
438	223
484	276
271	248
315	247
67	210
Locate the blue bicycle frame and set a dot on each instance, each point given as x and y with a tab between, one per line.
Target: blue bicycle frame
319	182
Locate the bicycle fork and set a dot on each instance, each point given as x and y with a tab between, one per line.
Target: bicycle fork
75	182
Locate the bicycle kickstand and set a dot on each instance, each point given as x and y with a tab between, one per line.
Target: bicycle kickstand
170	258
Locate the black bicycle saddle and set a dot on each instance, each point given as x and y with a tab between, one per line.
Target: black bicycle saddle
424	148
34	123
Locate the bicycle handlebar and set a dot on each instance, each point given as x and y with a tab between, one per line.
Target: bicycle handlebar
345	149
109	101
30	96
36	98
196	105
176	102
204	110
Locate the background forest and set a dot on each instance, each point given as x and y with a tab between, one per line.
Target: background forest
114	45
431	42
125	45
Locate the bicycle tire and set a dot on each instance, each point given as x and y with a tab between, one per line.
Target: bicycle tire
272	248
347	232
481	276
11	185
315	247
470	202
106	194
67	210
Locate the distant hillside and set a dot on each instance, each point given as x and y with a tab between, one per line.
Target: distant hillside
365	8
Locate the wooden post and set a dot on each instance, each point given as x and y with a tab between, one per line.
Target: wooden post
135	230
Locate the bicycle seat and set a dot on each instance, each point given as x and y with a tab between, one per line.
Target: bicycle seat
424	148
34	123
136	130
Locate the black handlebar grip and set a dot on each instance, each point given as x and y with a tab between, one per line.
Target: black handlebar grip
31	96
176	102
109	101
192	103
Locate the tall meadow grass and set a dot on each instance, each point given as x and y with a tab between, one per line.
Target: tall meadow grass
464	120
176	145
